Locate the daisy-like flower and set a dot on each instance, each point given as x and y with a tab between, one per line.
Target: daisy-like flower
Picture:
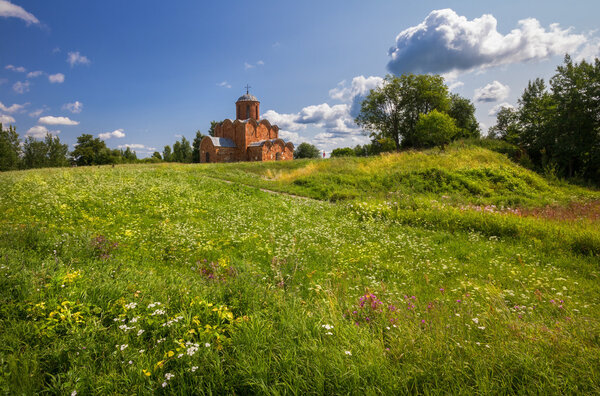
207	345
475	320
348	353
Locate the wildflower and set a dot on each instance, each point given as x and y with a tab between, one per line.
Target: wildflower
481	327
142	350
133	320
207	345
158	312
327	327
160	340
131	305
164	384
348	353
180	356
124	346
130	362
475	320
194	368
168	376
458	301
329	333
74	393
140	332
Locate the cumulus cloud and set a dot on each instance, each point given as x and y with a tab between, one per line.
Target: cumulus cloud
21	87
75	58
114	134
446	41
589	51
492	92
19	69
6	119
356	92
34	74
51	120
40	131
12	108
57	78
496	109
74	107
224	84
8	10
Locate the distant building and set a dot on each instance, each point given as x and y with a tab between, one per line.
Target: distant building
247	138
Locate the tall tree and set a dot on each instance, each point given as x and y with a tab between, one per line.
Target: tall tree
9	148
211	130
435	129
34	153
57	152
463	112
196	147
167	154
91	151
393	110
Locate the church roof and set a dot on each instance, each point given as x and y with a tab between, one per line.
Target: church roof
222	142
247	98
262	142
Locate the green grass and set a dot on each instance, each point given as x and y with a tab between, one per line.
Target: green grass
471	302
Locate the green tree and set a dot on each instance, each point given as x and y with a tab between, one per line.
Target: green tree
157	156
167	154
35	153
507	126
92	151
306	150
343	152
435	129
196	147
211	130
182	151
9	148
392	110
129	156
463	112
57	152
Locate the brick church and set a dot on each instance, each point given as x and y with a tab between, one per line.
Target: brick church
248	138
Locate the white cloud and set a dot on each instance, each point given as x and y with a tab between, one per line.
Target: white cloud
38	112
6	119
589	51
58	78
12	108
492	92
224	84
252	66
283	121
292	137
40	131
356	92
496	109
34	74
138	147
51	120
445	41
75	58
21	87
8	9
19	69
74	107
114	134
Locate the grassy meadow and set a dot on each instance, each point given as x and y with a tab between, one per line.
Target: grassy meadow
420	272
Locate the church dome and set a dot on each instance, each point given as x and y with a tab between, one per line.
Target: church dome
247	98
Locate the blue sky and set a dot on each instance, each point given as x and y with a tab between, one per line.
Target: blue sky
144	73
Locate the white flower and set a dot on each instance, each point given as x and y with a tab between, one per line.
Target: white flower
133	320
74	393
164	384
348	353
130	362
327	327
475	320
207	345
194	368
124	346
180	356
158	312
140	332
168	376
329	333
142	350
131	305
481	327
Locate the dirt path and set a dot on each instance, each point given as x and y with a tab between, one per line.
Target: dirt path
263	189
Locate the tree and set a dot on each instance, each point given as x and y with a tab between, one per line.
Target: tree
435	129
90	151
129	156
182	151
57	152
211	130
463	112
34	153
196	147
343	152
9	148
306	150
157	155
507	126
167	154
392	110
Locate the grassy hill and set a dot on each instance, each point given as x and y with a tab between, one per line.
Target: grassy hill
407	274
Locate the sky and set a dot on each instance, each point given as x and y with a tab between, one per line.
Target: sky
141	74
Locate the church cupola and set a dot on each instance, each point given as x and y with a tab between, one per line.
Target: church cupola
247	106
